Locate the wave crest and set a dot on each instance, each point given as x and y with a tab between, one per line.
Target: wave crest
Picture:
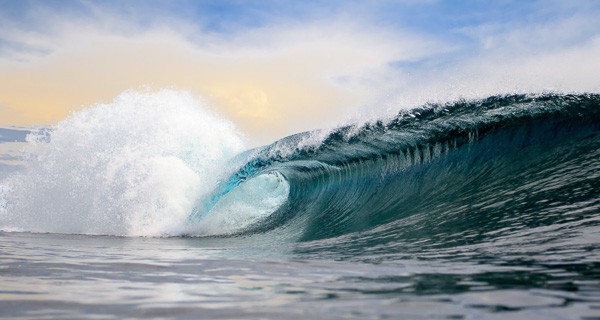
133	167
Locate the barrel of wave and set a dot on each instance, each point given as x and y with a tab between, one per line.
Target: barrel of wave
245	206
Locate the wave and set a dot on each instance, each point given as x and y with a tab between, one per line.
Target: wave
435	176
441	174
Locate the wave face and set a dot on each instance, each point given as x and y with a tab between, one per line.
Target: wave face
437	176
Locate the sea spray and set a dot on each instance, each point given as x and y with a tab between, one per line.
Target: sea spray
134	167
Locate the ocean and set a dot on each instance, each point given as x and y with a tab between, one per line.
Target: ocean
153	207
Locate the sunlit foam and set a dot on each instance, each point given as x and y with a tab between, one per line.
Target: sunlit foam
136	166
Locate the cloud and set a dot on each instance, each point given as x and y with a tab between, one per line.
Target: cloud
272	80
554	49
276	71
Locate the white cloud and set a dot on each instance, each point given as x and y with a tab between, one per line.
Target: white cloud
559	55
289	77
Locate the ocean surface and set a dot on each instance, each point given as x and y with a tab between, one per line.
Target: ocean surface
153	207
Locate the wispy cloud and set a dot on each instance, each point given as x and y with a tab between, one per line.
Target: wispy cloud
555	48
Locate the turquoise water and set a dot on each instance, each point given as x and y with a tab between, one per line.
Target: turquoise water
471	210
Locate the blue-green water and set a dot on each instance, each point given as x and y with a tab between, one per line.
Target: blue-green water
470	210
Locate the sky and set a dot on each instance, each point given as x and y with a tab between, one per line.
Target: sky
276	68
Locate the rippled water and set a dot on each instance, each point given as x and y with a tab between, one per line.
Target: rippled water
72	276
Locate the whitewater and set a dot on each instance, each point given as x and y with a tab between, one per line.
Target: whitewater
154	206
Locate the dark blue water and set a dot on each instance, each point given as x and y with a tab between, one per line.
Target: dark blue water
471	210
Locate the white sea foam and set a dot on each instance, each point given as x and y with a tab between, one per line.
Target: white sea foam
133	167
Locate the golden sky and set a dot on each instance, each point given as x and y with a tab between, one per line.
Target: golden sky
271	91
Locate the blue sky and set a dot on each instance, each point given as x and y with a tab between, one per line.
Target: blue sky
261	63
440	17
